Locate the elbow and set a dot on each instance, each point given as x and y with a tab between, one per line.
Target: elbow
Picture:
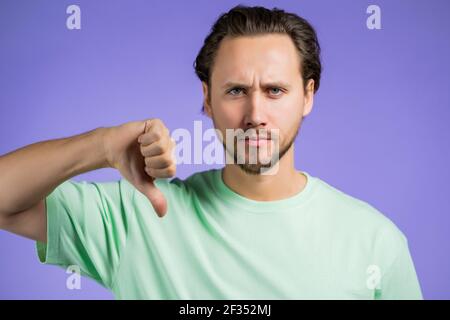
5	220
2	222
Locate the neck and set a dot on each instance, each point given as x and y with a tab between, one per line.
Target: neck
284	183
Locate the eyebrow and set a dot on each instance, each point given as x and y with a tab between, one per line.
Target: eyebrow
281	84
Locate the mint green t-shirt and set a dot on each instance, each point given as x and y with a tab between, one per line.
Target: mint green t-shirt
216	244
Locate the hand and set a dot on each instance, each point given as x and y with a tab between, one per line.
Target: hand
142	152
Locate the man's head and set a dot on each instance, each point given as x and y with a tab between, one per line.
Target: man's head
259	69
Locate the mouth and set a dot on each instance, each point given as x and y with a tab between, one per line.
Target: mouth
256	141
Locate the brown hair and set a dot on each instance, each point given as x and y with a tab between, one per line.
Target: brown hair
245	21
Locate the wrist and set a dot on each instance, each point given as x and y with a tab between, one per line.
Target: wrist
103	135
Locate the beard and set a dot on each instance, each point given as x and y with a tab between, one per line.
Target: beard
259	167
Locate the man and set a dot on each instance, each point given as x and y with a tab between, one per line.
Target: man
233	233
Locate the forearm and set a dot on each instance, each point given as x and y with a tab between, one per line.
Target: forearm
29	174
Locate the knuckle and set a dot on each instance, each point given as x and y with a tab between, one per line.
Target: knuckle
148	170
171	171
161	126
156	135
166	161
147	124
173	144
157	121
143	150
159	148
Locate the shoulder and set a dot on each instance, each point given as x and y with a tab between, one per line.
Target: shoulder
356	224
357	216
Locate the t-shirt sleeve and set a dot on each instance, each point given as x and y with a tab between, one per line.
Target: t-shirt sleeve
400	281
86	227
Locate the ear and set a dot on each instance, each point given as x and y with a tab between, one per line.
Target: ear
309	98
206	102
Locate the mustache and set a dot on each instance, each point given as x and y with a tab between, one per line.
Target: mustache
257	134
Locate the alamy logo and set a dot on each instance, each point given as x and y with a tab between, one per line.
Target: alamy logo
255	150
74	280
374	277
73	21
374	20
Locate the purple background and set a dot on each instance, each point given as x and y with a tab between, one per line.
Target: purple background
379	128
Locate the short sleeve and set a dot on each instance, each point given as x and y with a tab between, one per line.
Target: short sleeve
86	227
400	281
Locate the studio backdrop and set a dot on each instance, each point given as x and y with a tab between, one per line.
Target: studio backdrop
379	129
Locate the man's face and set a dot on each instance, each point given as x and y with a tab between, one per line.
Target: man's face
256	84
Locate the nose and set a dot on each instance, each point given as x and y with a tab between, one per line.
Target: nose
255	112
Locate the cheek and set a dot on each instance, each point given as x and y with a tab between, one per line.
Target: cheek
294	109
226	116
287	119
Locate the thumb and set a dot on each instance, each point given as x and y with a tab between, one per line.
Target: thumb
146	185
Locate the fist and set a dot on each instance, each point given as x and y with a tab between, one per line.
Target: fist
142	151
156	146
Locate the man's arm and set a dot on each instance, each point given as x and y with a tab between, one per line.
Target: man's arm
29	174
140	150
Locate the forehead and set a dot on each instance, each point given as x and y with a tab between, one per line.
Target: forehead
269	56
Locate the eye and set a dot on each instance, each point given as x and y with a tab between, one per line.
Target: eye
277	91
234	90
